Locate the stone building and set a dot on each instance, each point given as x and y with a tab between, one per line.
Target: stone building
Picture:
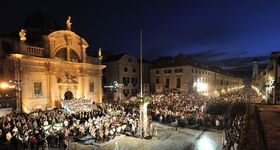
181	73
50	62
267	82
124	69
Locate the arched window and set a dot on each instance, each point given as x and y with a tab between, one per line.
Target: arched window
74	56
61	54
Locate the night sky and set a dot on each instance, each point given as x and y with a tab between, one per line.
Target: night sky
208	30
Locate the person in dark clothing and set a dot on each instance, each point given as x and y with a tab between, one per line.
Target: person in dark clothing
14	142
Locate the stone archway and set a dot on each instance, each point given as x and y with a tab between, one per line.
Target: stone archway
68	95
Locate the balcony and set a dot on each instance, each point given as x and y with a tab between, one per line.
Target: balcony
35	51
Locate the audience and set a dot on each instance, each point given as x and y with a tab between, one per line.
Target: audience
82	120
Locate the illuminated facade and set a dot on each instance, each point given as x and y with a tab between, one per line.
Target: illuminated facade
51	64
181	73
267	83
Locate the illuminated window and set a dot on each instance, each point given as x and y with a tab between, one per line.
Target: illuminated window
38	88
91	87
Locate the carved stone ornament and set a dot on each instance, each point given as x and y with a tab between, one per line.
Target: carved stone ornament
67	78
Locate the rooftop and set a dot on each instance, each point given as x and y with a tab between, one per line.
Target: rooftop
183	60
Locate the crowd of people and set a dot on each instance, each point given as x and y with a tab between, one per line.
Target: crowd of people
192	110
225	112
231	136
58	127
84	121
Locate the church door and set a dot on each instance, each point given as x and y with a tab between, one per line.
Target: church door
68	95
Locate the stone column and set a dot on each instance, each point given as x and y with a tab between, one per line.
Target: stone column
76	91
68	43
60	87
52	93
99	88
83	54
83	94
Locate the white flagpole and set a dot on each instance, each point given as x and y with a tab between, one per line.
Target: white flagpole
141	74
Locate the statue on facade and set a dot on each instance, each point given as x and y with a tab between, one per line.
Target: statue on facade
22	35
99	53
69	23
100	56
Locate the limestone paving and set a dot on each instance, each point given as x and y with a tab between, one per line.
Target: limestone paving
168	139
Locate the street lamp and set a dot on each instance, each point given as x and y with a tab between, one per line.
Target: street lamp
18	93
5	85
17	81
117	86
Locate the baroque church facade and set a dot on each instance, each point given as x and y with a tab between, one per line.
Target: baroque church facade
51	64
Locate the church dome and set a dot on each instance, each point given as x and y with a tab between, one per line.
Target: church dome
41	21
37	25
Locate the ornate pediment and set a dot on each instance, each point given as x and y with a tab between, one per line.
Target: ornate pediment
67	78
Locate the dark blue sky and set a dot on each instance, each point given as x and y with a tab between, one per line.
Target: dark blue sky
216	29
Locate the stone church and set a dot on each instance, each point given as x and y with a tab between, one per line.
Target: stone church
50	63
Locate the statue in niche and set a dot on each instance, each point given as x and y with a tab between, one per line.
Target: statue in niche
69	23
22	35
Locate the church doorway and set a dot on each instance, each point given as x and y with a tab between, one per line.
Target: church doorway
68	95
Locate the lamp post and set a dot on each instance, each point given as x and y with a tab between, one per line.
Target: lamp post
18	94
5	85
17	67
117	86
